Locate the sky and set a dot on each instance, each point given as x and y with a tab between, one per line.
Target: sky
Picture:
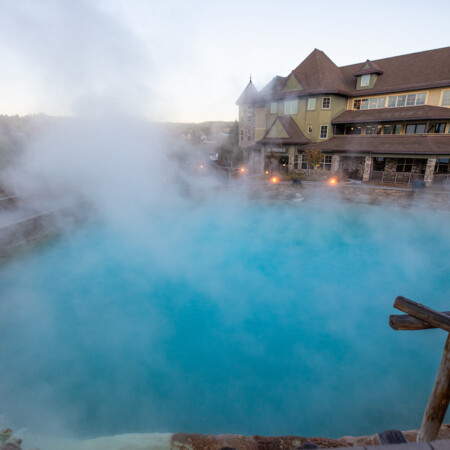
188	61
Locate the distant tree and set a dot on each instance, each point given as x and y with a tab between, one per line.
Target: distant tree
229	152
313	158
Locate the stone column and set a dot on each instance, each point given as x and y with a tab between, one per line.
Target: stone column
368	164
429	171
262	159
291	153
335	163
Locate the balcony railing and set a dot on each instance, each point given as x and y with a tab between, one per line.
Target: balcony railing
395	177
441	179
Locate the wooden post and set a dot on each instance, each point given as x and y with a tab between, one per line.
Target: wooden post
439	399
407	322
439	320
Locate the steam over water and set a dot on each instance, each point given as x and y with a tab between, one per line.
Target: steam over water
225	316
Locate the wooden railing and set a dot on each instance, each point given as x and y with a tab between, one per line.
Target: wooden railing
441	179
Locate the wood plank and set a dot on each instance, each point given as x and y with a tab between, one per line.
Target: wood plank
407	322
422	312
439	399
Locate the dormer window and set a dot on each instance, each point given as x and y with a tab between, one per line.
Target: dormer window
365	80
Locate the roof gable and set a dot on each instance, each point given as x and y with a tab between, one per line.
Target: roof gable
284	131
292	84
277	130
367	68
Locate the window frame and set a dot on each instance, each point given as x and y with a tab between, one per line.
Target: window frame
310	101
272	108
445	98
324	102
326	131
288	107
365	80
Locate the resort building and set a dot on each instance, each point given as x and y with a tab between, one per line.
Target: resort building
386	120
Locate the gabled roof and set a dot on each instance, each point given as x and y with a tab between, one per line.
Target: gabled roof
290	132
428	144
317	73
367	68
421	70
249	95
425	112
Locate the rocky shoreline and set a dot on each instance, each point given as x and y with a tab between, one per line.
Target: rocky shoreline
186	441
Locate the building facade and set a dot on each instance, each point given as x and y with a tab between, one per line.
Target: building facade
386	120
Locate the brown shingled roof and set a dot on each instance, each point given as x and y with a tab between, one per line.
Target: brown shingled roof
414	71
424	112
437	144
292	130
317	73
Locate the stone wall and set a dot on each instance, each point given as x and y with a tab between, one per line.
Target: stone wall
353	166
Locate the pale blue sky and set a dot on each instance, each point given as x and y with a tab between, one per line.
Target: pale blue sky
188	60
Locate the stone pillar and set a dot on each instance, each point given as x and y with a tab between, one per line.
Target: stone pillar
262	160
429	171
291	152
335	163
368	164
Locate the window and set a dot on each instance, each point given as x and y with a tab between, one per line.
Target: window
242	135
415	128
309	129
407	100
311	103
291	107
404	165
442	165
371	129
369	103
325	164
387	129
378	164
401	100
299	161
365	80
353	129
446	98
411	100
323	131
420	99
326	102
273	108
437	128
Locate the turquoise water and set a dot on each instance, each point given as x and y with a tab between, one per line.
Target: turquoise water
225	318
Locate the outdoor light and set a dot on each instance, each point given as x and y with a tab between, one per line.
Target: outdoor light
201	166
332	181
274	180
242	169
267	172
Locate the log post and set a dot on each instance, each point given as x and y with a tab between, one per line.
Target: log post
422	312
439	399
407	322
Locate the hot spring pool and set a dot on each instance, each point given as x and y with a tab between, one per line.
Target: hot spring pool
233	317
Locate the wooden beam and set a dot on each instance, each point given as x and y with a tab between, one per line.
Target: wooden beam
422	312
439	399
407	322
